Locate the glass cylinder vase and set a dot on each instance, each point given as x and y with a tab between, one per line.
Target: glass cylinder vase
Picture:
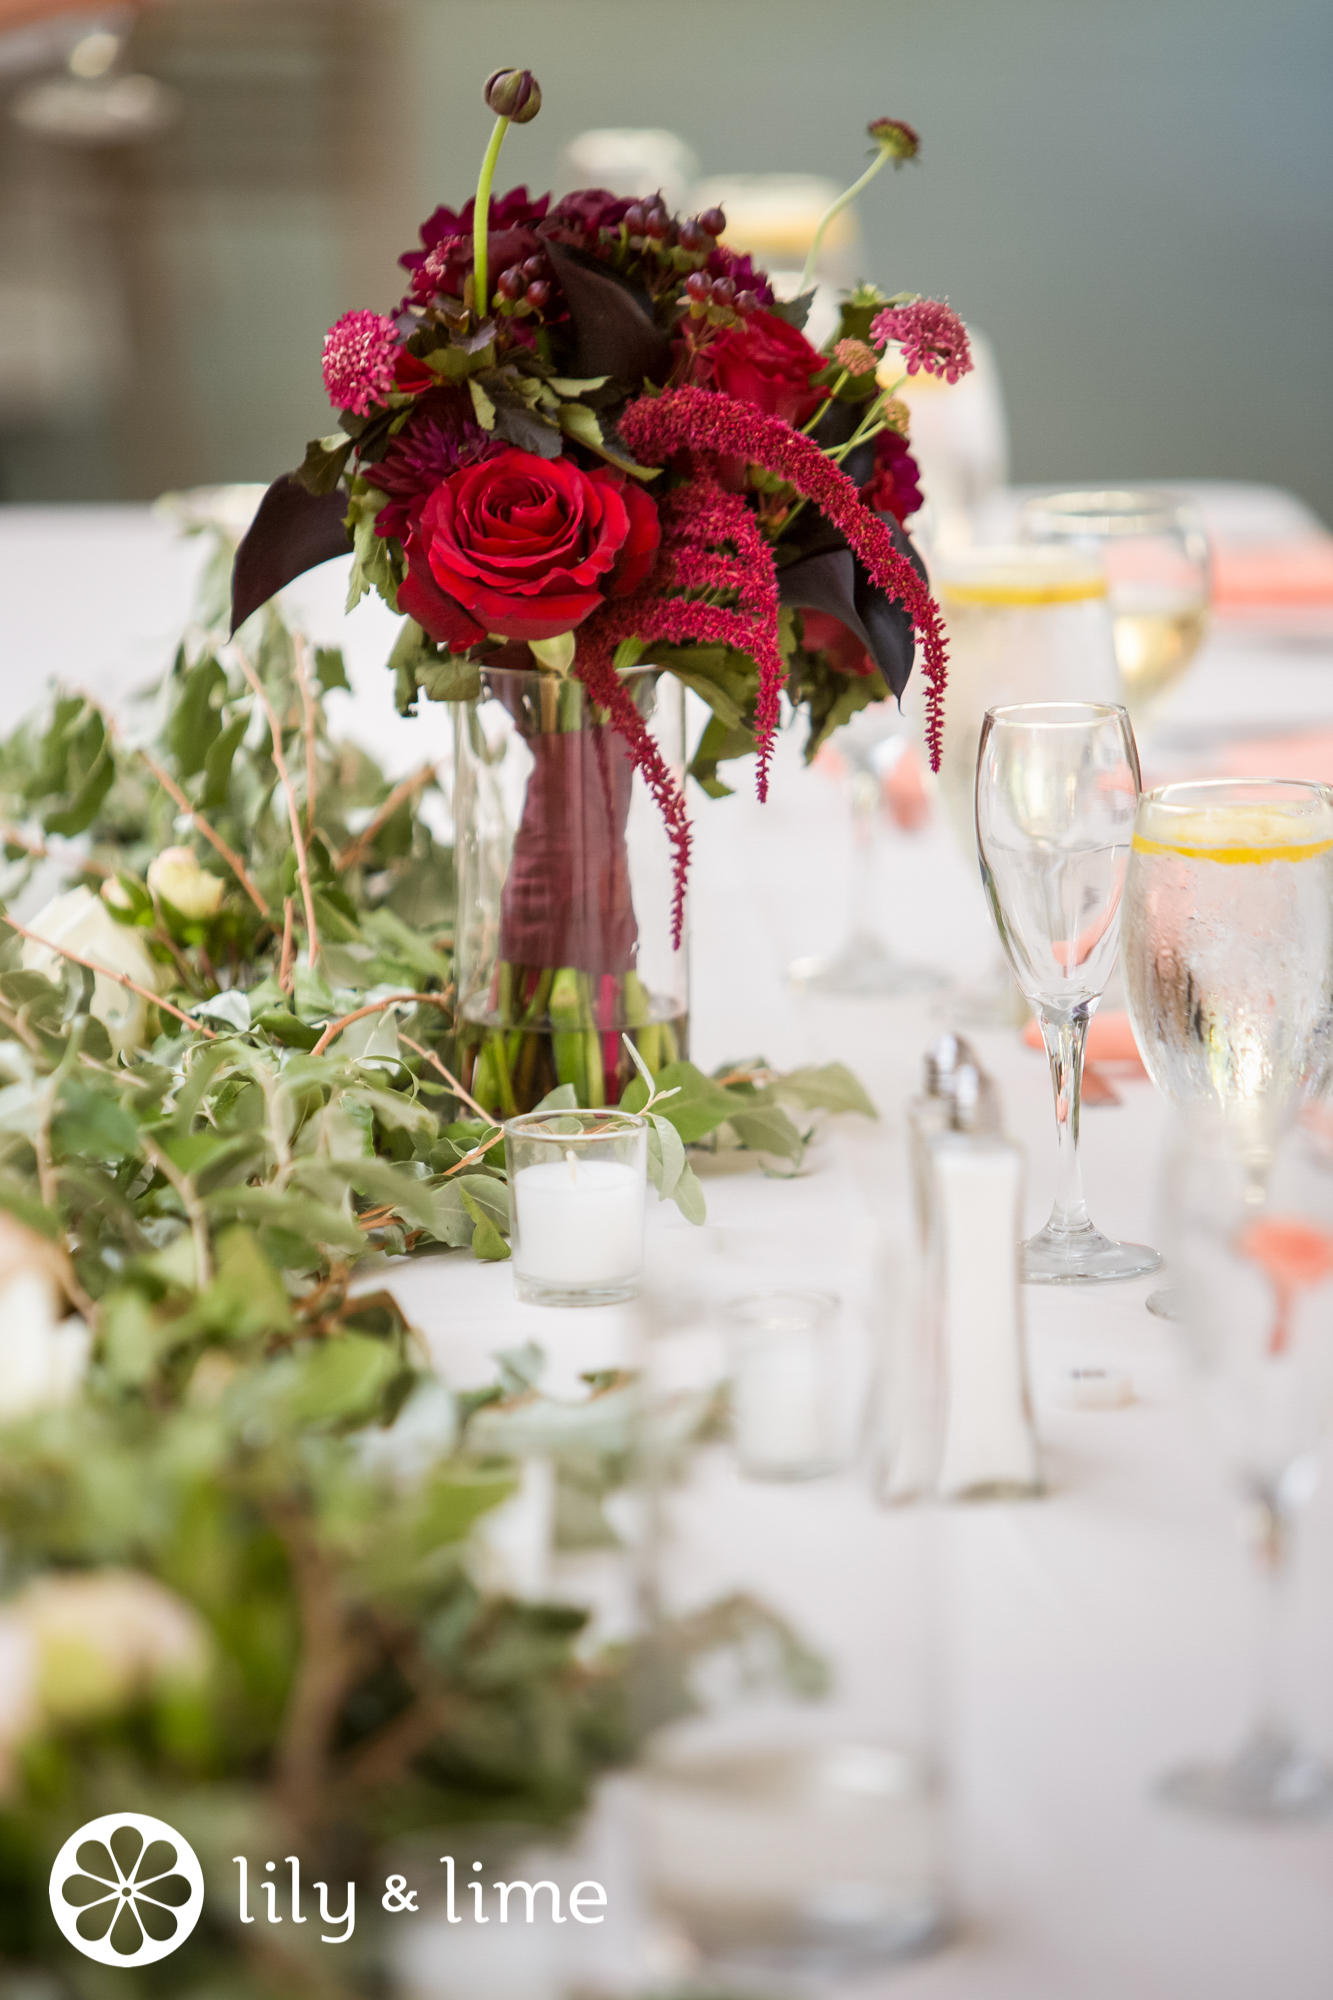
565	886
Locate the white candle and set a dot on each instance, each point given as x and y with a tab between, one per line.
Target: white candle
779	1399
579	1222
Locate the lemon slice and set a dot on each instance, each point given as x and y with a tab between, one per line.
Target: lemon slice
1236	835
1019	575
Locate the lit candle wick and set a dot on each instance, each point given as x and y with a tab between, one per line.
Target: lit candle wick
573	1165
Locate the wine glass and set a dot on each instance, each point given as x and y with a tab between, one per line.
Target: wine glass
1024	624
1155	550
871	748
1056	788
1257	1324
1228	936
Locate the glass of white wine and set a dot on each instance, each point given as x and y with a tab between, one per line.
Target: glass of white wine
1155	550
1056	789
1228	955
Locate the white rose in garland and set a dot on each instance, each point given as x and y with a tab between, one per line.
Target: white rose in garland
42	1355
81	922
175	876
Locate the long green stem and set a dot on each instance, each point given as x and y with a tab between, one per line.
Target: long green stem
836	208
481	221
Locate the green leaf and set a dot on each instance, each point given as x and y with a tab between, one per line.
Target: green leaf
323	465
565	1098
314	1220
247	1297
338	1380
288	1029
92	1122
488	1246
195	723
381	1181
766	1128
27	1209
481	404
449	679
218	763
700	1107
832	1087
666	1154
407	945
718	745
688	1196
88	784
331	668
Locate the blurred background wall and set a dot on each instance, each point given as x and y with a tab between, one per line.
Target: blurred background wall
1131	197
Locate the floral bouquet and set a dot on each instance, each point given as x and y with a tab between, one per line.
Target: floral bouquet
588	449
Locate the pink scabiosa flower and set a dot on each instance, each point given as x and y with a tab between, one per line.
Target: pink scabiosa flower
360	353
930	334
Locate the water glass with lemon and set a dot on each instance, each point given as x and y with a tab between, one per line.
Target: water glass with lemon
1227	940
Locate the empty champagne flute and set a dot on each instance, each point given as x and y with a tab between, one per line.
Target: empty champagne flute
1228	943
1257	1323
1056	788
870	747
1024	624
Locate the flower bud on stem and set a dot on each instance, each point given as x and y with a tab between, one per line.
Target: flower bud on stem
516	95
894	141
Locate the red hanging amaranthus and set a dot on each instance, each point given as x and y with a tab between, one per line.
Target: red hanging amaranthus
703	420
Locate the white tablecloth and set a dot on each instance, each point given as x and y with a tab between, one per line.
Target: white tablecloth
1094	1635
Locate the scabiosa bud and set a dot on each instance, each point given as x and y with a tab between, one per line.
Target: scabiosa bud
360	352
514	94
897	415
930	334
856	357
895	137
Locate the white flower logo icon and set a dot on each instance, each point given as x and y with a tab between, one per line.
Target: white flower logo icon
127	1889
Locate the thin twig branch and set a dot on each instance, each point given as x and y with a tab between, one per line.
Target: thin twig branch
285	963
448	1076
210	833
302	653
298	841
121	978
376	1007
356	848
190	1202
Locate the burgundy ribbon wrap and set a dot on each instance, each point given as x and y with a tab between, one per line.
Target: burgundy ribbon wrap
566	899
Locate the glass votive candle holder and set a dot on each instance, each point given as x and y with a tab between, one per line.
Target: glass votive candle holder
785	1405
578	1184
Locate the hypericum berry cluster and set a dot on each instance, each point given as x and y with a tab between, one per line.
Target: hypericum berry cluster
523	289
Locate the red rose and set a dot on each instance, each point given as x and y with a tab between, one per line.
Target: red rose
768	363
524	547
894	487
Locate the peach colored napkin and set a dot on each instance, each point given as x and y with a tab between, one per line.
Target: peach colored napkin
1273	573
1308	755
